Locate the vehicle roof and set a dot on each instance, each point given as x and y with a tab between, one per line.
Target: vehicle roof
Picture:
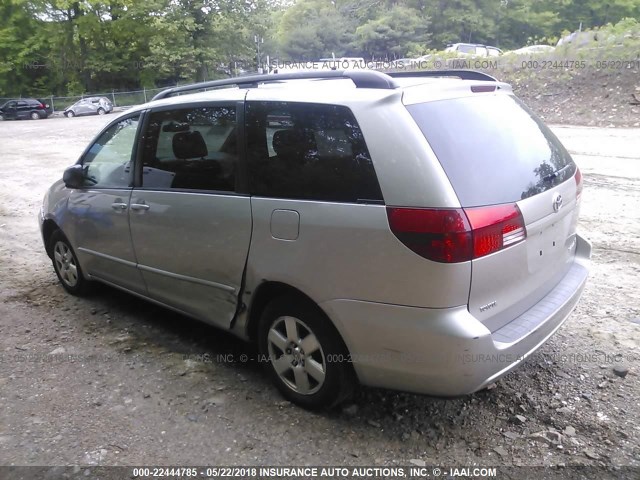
23	99
332	91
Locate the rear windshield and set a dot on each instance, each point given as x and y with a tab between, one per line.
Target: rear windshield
493	148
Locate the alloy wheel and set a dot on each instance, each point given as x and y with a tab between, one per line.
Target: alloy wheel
296	355
65	264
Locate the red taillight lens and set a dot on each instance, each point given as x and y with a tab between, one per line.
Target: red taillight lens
457	235
495	228
578	177
441	235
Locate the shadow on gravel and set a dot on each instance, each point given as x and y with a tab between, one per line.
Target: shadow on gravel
163	331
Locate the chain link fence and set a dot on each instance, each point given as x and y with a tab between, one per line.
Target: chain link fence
119	99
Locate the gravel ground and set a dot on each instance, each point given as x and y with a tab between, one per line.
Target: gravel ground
113	380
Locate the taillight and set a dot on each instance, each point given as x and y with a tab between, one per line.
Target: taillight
441	235
578	177
495	228
457	235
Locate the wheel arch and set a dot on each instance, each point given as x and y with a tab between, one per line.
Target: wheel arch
270	290
262	296
48	227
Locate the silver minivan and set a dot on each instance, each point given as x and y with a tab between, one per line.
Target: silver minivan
413	231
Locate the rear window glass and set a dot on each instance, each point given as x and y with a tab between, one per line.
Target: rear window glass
493	148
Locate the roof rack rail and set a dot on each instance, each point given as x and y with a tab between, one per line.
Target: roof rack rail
361	79
462	74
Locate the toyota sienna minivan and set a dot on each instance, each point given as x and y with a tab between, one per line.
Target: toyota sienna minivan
412	231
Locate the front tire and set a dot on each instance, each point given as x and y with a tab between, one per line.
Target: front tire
66	265
70	114
305	356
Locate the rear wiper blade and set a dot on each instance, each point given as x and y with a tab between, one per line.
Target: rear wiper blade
555	174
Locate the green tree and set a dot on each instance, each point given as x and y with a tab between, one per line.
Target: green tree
198	39
312	29
391	35
23	52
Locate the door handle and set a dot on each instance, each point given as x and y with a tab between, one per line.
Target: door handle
139	206
119	206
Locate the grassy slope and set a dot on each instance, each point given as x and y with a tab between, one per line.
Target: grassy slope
597	92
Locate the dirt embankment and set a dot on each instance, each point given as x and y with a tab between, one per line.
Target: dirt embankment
606	97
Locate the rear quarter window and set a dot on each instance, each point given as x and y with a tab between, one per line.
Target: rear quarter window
310	152
493	148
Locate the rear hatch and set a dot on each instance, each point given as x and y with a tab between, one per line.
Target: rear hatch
519	189
45	106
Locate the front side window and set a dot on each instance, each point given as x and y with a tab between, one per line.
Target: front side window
192	149
107	164
308	151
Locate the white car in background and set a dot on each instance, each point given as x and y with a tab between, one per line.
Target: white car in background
473	49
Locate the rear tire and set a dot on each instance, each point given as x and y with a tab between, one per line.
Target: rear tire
66	265
35	116
304	354
101	111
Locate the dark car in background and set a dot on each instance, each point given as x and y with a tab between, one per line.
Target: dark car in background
89	106
25	108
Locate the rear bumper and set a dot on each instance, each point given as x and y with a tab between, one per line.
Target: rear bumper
447	352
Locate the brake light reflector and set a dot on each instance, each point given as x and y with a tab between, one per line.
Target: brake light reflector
457	235
578	177
483	88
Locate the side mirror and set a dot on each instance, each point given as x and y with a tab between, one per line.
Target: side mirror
73	177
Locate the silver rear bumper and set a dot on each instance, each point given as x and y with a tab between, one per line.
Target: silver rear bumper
448	352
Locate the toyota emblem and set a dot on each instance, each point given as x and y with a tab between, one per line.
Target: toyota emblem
557	202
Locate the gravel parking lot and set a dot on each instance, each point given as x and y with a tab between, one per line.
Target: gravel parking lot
113	380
